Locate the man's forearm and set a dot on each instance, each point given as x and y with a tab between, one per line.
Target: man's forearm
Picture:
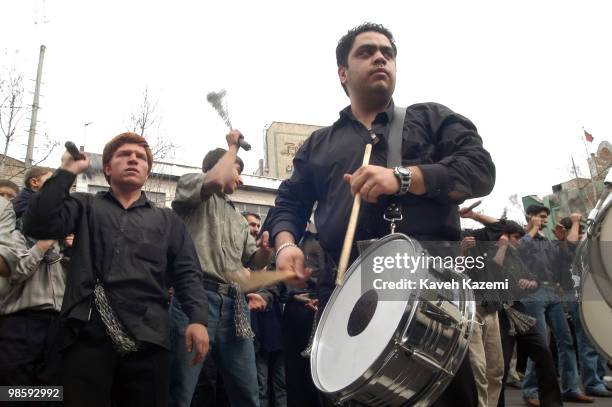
500	256
417	183
52	212
222	173
484	219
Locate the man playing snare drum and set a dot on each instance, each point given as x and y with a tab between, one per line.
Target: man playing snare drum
443	163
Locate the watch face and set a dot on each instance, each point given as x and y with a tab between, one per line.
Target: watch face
403	171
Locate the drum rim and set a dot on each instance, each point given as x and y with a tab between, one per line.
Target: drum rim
391	347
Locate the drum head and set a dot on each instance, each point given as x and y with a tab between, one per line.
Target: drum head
596	316
357	327
601	253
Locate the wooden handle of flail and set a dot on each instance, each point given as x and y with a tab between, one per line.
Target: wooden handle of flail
352	225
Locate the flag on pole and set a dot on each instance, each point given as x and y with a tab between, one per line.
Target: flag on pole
587	136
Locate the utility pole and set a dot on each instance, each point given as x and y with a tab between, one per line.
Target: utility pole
33	119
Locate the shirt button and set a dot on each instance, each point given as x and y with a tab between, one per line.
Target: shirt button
117	251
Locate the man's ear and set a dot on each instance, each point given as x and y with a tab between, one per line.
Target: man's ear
342	74
107	169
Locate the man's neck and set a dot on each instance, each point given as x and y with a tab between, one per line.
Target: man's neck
366	113
126	197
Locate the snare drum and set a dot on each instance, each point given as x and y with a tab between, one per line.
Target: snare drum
594	263
596	316
383	352
595	251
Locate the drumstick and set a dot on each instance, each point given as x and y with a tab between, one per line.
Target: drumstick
350	230
259	279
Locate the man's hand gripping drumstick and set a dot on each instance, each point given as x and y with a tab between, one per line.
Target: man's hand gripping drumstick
352	225
368	183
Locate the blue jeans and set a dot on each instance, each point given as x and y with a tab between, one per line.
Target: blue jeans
546	302
234	357
590	365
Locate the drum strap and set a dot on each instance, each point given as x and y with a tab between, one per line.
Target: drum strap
393	212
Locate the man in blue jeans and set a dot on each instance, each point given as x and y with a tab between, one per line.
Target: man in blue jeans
224	246
545	259
590	360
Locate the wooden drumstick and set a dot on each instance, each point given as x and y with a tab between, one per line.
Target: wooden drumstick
251	281
352	225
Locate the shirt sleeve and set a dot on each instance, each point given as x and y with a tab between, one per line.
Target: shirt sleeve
188	192
53	212
29	259
295	198
465	169
186	273
250	247
7	225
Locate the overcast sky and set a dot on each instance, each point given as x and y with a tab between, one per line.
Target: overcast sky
529	74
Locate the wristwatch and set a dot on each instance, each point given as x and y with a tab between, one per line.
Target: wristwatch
404	175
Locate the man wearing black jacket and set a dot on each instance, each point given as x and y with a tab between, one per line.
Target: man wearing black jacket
127	253
443	163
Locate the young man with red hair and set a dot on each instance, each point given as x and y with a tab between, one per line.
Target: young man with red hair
126	255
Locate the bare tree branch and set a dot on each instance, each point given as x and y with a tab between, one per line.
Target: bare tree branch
48	146
141	122
146	122
11	110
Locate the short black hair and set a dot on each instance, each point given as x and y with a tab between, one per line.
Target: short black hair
511	227
256	216
9	184
213	156
346	42
537	208
34	173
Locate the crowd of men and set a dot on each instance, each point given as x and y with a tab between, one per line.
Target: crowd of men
125	303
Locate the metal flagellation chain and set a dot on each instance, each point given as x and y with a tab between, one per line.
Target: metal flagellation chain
114	328
243	327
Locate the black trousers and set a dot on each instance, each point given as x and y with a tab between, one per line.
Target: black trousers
210	391
533	344
95	375
25	348
296	325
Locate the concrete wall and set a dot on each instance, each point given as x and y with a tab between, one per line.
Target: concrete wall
282	142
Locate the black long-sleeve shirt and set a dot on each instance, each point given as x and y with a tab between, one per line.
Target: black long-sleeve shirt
137	253
443	144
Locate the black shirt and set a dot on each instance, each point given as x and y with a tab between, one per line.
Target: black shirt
445	146
548	260
137	253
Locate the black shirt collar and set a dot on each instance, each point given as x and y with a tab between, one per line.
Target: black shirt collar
142	201
379	125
